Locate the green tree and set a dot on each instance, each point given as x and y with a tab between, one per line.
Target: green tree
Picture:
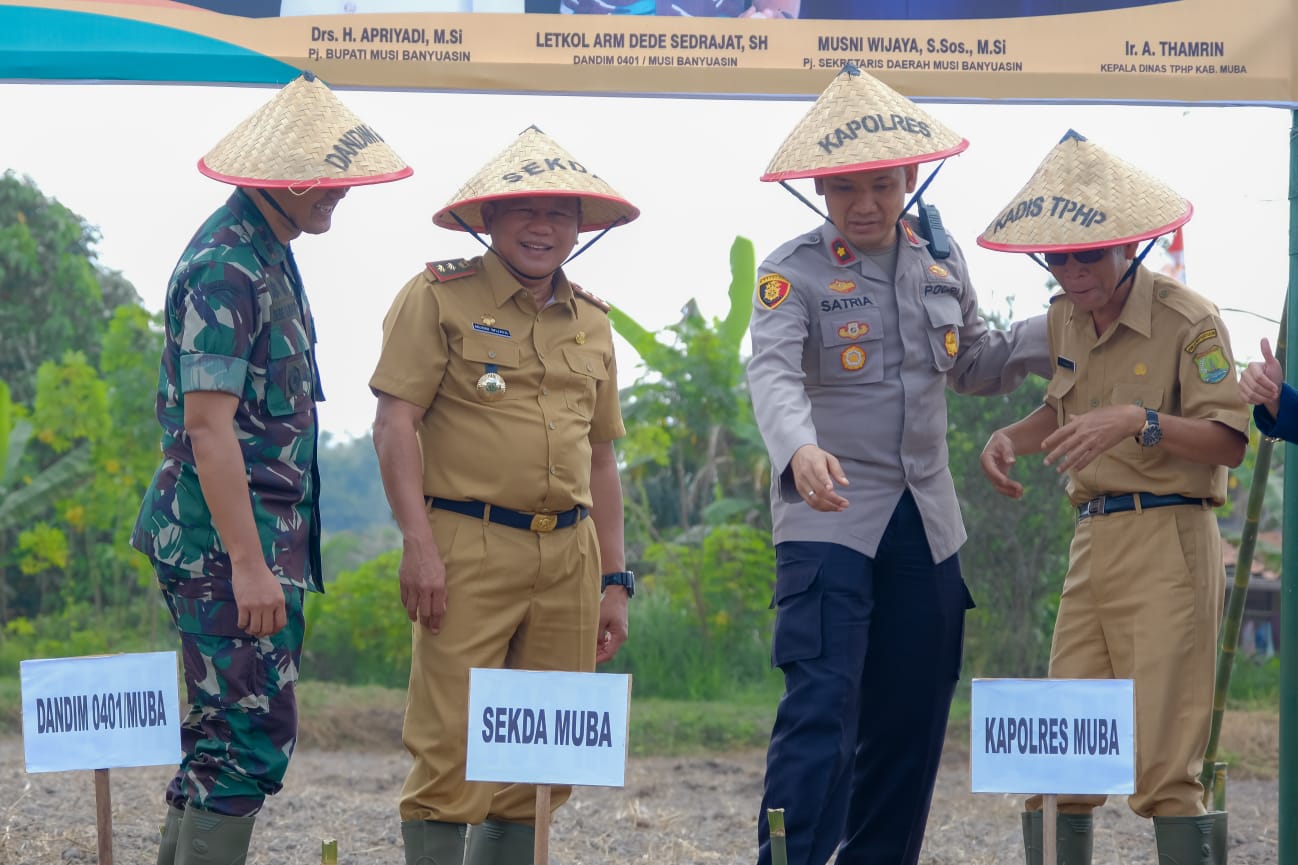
54	295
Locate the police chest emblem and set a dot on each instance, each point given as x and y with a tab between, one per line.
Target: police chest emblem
853	358
951	342
939	271
842	253
842	286
1212	365
853	329
772	289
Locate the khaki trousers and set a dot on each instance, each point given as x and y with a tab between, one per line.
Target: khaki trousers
1142	600
515	599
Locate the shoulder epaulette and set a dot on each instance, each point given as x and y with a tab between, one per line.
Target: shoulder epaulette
786	249
452	268
590	298
1191	305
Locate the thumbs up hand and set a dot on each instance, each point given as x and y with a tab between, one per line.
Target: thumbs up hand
1261	380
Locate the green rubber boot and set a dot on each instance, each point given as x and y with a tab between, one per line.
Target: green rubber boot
206	838
497	842
1073	838
431	842
170	832
1199	840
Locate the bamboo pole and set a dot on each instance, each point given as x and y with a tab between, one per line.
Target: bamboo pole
1288	806
1229	643
779	852
329	852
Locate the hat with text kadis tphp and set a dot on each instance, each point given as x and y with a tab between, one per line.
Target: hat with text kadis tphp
861	124
535	165
302	138
1083	197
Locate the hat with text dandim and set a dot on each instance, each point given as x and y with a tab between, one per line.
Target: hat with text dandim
861	124
535	165
302	138
1083	197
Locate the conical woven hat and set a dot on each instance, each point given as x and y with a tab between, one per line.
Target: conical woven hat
1082	197
535	165
303	137
861	124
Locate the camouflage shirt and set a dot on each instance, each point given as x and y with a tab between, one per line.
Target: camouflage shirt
238	322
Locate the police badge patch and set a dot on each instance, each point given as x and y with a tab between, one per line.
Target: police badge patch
772	289
852	358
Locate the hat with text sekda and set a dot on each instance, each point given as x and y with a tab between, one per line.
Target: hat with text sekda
303	137
535	165
1083	197
861	124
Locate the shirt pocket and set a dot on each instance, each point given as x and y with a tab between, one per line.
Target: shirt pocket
851	350
1059	387
944	319
1143	395
483	352
586	370
290	384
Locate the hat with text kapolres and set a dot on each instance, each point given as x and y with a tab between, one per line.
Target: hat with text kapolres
1083	197
302	138
535	165
861	124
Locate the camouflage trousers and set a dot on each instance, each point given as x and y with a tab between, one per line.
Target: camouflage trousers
241	725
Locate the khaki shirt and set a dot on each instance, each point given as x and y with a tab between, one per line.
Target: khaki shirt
858	362
530	450
1168	351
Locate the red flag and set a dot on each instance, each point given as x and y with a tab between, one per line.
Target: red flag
1175	266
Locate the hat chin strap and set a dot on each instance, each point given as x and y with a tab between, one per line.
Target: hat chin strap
279	209
510	265
909	204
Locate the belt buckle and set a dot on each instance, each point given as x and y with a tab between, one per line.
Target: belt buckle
542	523
1095	507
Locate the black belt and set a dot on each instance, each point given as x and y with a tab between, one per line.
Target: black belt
1127	502
541	523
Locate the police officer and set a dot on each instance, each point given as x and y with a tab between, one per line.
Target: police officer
497	412
231	520
858	329
1143	414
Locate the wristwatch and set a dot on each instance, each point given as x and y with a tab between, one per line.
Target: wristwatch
625	579
1151	433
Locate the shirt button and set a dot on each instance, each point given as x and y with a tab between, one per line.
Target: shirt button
545	391
553	425
491	354
554	470
1094	403
1140	402
587	367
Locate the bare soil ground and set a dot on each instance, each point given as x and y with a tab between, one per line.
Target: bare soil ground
696	810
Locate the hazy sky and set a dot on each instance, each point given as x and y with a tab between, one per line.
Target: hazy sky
123	157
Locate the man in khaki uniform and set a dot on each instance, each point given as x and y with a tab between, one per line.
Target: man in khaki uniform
1144	414
498	406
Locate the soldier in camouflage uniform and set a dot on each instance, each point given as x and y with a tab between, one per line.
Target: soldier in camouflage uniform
231	520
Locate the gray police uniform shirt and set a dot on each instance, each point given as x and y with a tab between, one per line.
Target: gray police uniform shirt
856	361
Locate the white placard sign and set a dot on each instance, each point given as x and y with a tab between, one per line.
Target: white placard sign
538	727
1053	736
101	712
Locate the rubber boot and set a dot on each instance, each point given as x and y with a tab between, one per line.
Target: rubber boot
170	832
213	839
1199	840
431	842
1073	838
498	842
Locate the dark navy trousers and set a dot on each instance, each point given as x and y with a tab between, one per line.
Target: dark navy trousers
870	649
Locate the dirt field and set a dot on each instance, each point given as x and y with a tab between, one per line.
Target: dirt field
673	811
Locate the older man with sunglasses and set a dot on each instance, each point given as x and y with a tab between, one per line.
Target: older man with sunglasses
1144	415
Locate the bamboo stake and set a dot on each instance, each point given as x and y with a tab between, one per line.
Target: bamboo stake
104	816
1226	649
1050	829
779	851
541	846
329	852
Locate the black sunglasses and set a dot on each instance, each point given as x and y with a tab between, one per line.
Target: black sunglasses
1083	256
